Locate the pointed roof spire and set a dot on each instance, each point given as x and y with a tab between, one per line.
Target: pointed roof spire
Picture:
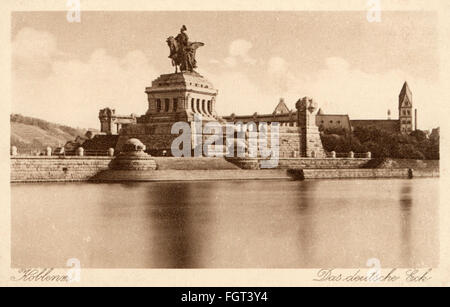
405	92
281	108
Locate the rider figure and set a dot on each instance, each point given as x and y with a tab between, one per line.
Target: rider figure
186	51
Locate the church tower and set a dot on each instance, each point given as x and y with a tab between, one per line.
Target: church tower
405	109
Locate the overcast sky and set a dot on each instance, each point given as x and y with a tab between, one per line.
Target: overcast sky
65	72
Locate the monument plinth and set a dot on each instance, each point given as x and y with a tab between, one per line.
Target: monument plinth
177	97
133	157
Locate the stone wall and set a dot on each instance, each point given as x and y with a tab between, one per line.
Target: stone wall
46	169
156	138
40	169
289	142
356	173
304	163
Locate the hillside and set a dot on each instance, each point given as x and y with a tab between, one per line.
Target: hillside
30	134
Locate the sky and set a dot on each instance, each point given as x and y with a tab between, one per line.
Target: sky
65	72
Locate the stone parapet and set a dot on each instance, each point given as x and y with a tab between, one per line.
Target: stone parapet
304	163
44	168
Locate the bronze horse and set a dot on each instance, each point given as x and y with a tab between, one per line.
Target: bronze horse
185	59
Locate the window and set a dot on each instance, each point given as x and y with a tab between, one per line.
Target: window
167	104
331	121
198	105
209	106
203	106
409	112
175	104
158	105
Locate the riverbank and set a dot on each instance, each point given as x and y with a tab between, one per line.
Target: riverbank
98	169
274	174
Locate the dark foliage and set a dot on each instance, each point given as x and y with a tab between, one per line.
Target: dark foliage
384	144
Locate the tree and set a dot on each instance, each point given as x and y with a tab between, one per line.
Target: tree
384	144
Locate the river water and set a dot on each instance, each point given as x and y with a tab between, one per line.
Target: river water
227	224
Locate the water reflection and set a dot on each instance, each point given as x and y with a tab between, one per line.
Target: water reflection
406	205
241	224
306	226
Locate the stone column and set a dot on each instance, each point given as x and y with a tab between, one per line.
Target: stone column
309	132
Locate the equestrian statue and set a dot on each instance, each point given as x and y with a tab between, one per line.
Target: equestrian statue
182	52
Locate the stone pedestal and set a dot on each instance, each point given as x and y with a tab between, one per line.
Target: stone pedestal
133	158
172	98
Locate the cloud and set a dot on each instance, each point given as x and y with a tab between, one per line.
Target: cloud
277	65
30	44
240	47
238	53
72	91
230	61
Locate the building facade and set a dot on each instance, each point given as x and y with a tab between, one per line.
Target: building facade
333	122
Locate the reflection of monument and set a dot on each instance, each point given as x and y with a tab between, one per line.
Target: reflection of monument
179	96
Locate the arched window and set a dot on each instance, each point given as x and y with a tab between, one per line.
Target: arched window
203	106
158	105
209	106
167	104
198	105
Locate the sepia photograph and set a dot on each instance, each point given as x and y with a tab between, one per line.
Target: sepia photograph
202	138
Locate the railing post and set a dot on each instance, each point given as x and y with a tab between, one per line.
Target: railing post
111	152
80	151
369	155
48	151
333	154
13	151
351	154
